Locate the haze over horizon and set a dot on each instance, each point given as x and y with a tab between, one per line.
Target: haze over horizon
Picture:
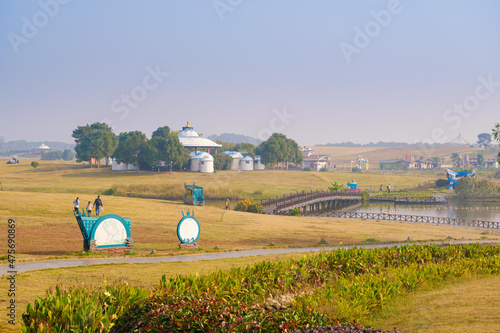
317	72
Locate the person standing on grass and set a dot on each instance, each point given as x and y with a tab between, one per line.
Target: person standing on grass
98	205
77	204
89	208
389	189
228	205
381	188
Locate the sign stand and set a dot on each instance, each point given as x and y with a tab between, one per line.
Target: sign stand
108	233
188	231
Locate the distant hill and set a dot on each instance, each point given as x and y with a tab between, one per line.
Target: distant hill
384	144
22	145
235	138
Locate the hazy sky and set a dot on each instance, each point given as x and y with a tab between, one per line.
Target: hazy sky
317	71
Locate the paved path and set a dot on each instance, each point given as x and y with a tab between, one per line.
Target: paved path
62	263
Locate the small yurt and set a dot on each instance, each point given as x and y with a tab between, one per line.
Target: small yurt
207	163
115	166
246	163
257	164
236	156
196	160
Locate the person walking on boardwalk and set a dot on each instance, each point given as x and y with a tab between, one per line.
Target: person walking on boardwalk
389	189
98	205
89	208
77	204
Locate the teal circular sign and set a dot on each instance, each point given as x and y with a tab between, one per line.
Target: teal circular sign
188	230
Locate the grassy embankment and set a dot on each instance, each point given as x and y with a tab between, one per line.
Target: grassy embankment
367	286
40	201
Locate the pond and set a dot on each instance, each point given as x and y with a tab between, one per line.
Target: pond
487	211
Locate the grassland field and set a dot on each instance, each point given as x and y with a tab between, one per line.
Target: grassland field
40	200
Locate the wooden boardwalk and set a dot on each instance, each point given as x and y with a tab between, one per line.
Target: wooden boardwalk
313	199
414	218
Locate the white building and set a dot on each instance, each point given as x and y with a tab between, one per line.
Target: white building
236	156
196	160
207	164
257	164
115	166
190	139
246	163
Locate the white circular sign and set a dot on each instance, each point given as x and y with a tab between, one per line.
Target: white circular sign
188	230
110	232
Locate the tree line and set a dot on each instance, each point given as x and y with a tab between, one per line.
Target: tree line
97	141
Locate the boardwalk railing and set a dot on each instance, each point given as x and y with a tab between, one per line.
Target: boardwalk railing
415	218
412	200
303	198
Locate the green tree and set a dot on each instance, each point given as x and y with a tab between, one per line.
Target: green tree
480	160
162	132
484	139
51	155
246	148
67	155
222	162
278	148
454	157
226	146
147	156
176	153
128	147
94	141
496	135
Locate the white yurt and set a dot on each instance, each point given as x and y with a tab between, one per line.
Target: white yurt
246	163
207	163
237	156
257	164
115	166
196	160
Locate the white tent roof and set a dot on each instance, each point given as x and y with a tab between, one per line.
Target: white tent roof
200	154
233	154
189	138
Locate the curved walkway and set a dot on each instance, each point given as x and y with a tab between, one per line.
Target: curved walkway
63	263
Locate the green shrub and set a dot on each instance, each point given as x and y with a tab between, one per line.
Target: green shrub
349	283
497	175
308	169
442	182
171	313
249	205
110	191
468	187
334	186
295	211
80	309
357	170
35	164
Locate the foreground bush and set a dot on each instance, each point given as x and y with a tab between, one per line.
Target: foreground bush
80	309
269	296
169	313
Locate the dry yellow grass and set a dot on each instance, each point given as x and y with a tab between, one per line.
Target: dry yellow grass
69	177
471	306
46	226
41	202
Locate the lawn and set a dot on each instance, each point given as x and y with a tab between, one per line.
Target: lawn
40	200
